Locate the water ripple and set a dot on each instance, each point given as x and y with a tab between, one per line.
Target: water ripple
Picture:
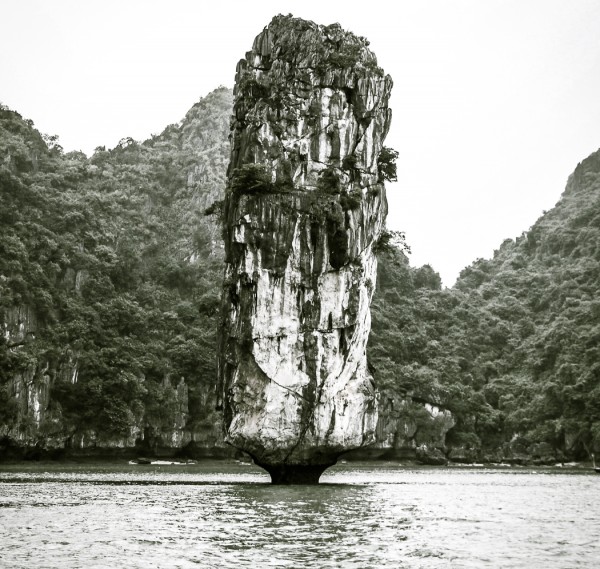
228	516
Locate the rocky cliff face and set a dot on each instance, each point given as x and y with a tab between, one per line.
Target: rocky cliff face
304	209
40	423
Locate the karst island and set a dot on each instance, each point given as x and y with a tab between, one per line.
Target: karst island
304	209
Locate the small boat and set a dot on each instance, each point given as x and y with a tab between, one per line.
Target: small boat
596	468
140	461
162	462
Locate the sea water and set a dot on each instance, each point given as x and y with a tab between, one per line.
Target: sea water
227	515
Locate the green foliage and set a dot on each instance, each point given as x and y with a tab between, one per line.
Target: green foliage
117	262
329	181
390	241
349	162
215	208
350	51
351	200
252	89
348	56
8	407
426	277
330	46
386	165
511	350
251	179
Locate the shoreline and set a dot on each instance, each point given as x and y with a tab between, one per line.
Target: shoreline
118	462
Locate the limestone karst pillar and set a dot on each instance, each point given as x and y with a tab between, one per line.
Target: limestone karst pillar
304	207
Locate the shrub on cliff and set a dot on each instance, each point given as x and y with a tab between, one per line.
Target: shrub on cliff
386	165
251	179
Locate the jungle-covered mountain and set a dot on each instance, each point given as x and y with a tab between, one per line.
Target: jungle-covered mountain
513	349
110	278
109	275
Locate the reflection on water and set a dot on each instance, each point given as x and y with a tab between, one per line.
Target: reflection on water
227	515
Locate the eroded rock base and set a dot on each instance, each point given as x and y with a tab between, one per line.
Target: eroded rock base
295	474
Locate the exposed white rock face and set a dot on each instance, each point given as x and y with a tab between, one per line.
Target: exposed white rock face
405	426
305	207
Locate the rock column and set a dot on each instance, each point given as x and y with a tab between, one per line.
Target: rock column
304	208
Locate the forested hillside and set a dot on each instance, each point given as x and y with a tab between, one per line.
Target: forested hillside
110	276
542	294
513	350
109	273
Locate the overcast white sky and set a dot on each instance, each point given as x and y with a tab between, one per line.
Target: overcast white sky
495	101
